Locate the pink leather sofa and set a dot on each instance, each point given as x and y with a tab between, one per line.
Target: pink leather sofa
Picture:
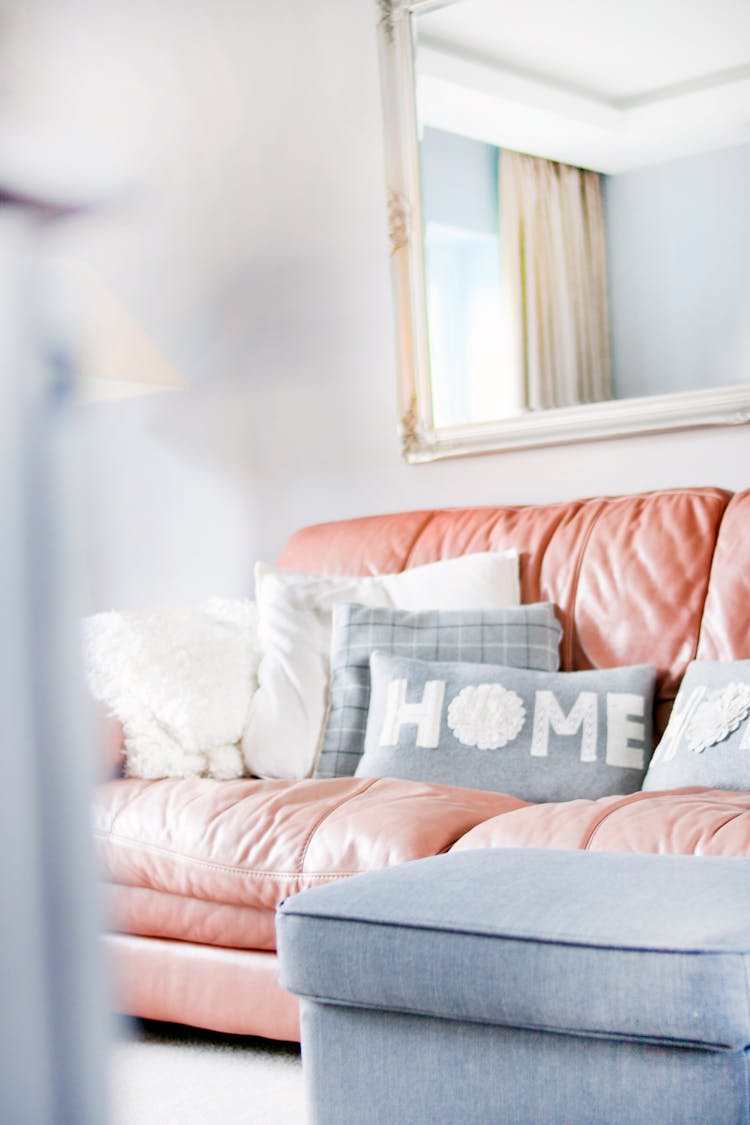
193	869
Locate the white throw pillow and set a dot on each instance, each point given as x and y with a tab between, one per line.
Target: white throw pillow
288	711
180	680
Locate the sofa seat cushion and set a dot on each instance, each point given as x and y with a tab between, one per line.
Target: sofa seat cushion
651	948
694	821
250	844
154	914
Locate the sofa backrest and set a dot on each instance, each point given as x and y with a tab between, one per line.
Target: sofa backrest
659	577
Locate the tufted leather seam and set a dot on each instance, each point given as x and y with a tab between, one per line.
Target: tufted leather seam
177	895
117	812
569	631
699	638
715	828
700	495
570	508
574	509
225	869
630	799
728	819
417	536
636	798
499	511
123	809
328	812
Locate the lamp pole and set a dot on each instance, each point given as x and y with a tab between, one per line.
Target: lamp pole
53	1023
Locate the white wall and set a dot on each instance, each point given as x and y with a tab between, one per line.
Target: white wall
678	244
266	281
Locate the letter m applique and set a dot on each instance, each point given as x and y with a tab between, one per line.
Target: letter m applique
548	715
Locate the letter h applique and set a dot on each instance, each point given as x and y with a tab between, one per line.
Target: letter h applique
426	713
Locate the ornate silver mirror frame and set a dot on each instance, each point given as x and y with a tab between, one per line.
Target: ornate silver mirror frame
421	439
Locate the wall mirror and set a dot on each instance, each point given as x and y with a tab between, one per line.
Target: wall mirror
568	187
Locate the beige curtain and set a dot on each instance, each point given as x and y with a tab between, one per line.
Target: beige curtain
553	242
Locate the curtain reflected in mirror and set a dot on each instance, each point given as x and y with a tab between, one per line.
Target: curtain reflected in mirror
552	228
516	281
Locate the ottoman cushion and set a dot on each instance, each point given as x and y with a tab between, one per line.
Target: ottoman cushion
652	948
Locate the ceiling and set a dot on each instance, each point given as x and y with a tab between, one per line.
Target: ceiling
602	84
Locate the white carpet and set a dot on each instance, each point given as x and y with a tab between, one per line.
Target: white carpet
162	1074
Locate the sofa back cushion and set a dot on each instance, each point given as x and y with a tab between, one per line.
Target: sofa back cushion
630	575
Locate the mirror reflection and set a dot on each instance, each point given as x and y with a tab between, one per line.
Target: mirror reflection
585	172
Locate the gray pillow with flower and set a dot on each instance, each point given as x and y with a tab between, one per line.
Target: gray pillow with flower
707	740
540	736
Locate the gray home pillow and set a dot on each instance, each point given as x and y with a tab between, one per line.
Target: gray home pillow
539	736
525	636
707	740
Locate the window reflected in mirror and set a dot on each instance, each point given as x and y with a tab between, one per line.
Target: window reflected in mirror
469	334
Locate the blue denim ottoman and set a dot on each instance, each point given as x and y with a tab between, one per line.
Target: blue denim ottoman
527	987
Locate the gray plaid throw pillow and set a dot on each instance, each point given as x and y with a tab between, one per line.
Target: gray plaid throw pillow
526	636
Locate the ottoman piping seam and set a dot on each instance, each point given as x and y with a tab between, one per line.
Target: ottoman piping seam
616	1036
560	939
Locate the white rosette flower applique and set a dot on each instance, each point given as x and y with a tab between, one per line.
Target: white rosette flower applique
486	716
718	716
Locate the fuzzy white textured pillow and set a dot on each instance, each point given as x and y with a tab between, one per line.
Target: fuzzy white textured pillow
287	716
181	682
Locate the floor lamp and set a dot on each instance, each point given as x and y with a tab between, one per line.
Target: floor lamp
54	1028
